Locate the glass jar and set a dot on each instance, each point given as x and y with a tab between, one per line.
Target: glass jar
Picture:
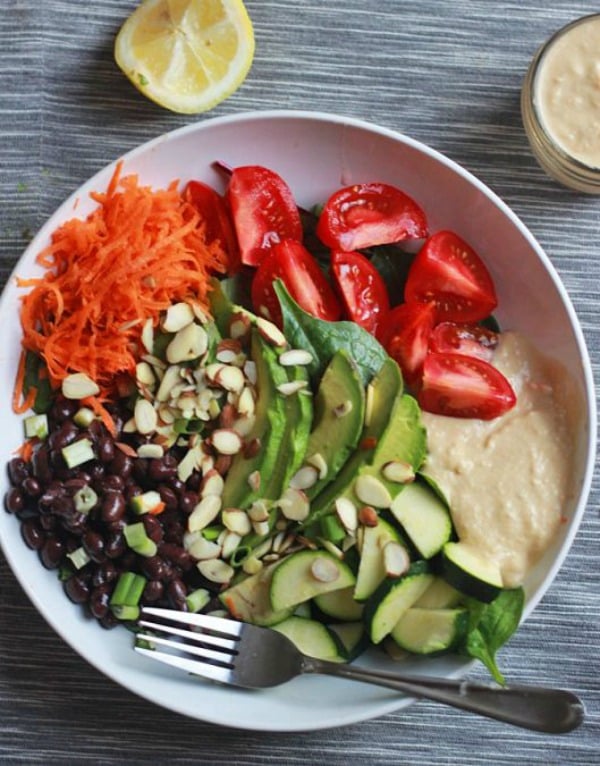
560	105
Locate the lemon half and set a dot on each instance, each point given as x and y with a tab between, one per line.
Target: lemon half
186	55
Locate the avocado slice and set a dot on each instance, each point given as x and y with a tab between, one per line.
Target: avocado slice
269	428
386	386
338	418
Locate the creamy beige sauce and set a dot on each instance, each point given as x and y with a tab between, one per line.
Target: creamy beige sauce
508	480
567	92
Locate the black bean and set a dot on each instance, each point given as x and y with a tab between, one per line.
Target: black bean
121	464
75	522
176	592
32	487
109	621
131	490
194	482
62	409
14	500
175	554
115	545
93	542
65	435
96	472
113	506
154	567
33	534
128	560
162	469
18	471
62	506
99	602
77	589
188	501
106	449
41	464
168	496
174	532
48	522
111	481
176	484
52	552
104	573
153	527
153	590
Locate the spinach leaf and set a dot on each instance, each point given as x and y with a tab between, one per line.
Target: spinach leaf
393	264
237	288
323	338
36	376
491	625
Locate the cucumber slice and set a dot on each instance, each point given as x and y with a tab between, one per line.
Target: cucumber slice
249	600
340	604
439	595
469	573
424	517
430	631
392	599
307	574
312	638
371	569
353	638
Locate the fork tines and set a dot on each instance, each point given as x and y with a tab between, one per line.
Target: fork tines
207	647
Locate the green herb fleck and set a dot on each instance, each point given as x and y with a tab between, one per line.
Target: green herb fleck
142	79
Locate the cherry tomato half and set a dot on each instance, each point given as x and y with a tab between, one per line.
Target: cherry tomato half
264	211
464	387
291	262
405	337
218	225
467	339
362	289
370	214
448	271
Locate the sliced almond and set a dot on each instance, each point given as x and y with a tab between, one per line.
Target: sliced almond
244	425
294	504
368	517
295	356
254	480
230	378
189	463
398	471
343	409
331	548
369	403
230	544
201	548
150	451
79	386
178	316
395	559
216	570
145	416
212	484
147	336
304	478
250	371
252	448
324	569
371	491
252	565
211	372
189	343
261	528
239	325
292	387
246	404
226	441
318	461
259	511
144	374
347	513
169	380
204	513
270	332
236	521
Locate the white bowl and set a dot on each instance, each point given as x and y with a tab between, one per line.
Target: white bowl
316	153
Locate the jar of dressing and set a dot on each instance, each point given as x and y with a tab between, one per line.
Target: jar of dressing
560	105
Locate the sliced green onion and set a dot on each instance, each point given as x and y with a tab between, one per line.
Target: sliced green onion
197	599
239	555
211	533
145	502
36	426
128	590
79	557
125	612
78	452
138	540
84	417
85	499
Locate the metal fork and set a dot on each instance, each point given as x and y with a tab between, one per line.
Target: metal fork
254	657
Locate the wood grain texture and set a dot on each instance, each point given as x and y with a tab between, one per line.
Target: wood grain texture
446	73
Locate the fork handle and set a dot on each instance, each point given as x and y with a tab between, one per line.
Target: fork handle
554	711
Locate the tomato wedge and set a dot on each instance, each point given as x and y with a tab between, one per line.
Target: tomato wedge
218	225
291	262
464	387
448	271
264	211
362	289
466	339
405	337
370	214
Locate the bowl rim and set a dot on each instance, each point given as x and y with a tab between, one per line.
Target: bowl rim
385	706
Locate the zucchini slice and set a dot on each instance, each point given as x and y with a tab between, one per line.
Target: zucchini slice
339	604
249	600
392	599
312	638
430	631
469	573
371	569
307	574
353	638
440	595
424	517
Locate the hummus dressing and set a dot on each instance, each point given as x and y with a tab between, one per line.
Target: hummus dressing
567	91
508	480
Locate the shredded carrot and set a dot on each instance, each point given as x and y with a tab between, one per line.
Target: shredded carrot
26	449
158	509
100	410
137	253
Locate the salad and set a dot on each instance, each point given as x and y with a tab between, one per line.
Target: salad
222	400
